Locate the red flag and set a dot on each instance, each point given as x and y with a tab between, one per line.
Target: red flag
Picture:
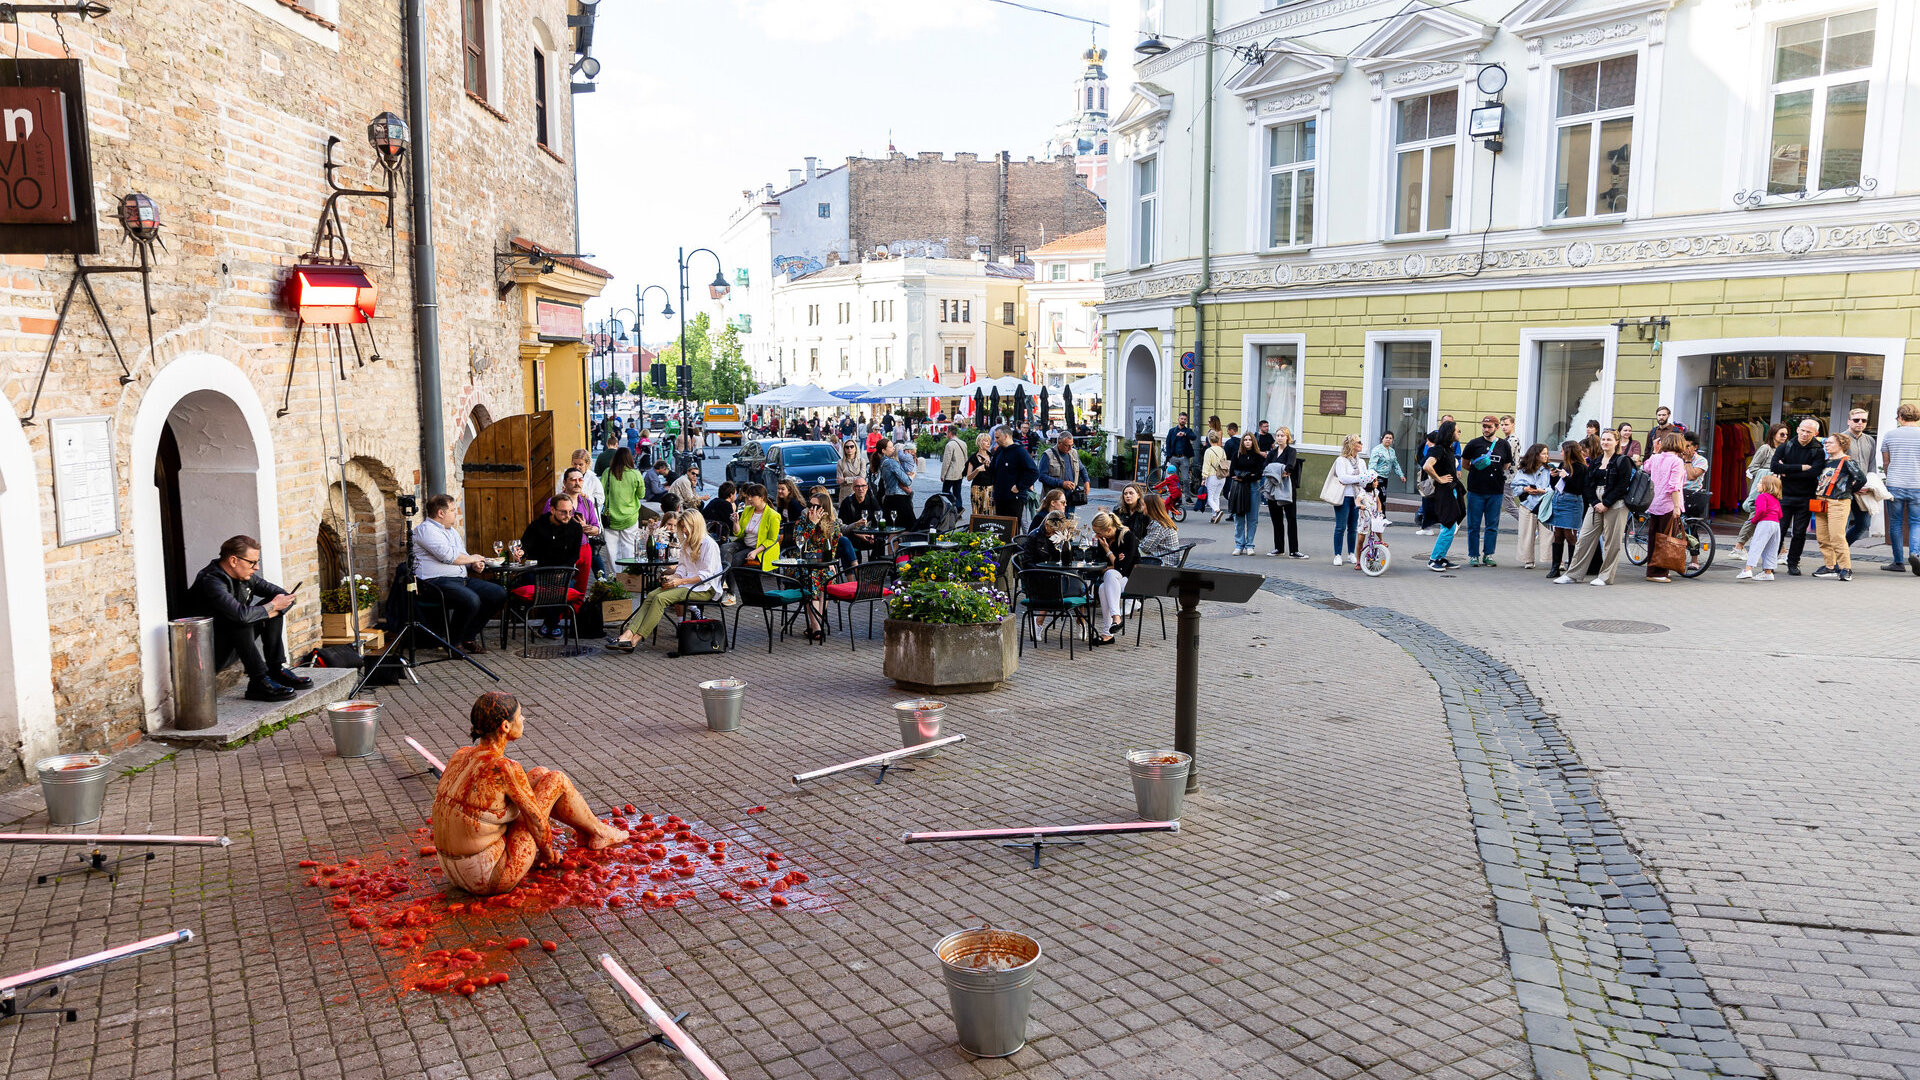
933	403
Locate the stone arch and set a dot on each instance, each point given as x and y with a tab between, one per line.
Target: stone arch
27	728
1139	383
208	409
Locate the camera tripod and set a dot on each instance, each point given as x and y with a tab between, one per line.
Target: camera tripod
404	639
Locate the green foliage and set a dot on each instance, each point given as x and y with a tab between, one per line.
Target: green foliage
339	599
606	588
1096	465
929	445
955	567
719	367
948	602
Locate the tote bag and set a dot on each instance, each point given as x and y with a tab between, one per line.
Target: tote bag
1545	510
1669	548
1333	492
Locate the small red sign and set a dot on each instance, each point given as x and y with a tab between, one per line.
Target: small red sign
36	181
558	320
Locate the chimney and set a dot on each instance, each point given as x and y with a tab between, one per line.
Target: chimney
813	167
793	177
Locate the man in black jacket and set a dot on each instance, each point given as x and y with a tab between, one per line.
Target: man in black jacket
861	507
1798	463
1014	472
553	539
249	619
1486	459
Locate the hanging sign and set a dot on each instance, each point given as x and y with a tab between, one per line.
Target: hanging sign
46	180
559	321
86	493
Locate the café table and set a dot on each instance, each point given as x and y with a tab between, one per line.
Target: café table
803	569
883	535
651	571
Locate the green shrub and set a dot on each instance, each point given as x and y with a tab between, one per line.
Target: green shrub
929	446
1096	465
950	567
339	599
971	541
606	588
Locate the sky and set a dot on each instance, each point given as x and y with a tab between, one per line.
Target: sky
700	100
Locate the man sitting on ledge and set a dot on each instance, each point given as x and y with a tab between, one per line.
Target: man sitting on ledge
249	619
492	820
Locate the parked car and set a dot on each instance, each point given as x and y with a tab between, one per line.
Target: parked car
809	463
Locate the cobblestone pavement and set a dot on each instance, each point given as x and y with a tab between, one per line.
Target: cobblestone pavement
1754	745
1323	911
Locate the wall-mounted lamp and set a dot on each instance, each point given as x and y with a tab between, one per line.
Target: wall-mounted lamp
1151	46
330	294
140	225
1489	121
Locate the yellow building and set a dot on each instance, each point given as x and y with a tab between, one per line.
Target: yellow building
553	349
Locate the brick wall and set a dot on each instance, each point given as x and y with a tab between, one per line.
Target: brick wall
221	114
956	202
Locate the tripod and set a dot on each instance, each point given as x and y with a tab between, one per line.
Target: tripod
404	638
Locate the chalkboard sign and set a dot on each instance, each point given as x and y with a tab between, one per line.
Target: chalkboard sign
1143	463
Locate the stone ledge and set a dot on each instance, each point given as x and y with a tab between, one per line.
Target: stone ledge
240	718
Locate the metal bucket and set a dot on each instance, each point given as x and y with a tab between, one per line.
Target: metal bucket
721	698
190	644
989	975
355	725
75	787
1159	782
919	723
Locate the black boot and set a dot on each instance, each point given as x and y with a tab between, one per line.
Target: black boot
265	689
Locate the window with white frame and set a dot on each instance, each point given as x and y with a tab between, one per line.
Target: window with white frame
1057	272
1425	144
966	310
846	361
1819	103
1146	189
1279	399
1152	14
1593	121
1290	156
1568	390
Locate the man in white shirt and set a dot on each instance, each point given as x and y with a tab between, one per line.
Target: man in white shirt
441	564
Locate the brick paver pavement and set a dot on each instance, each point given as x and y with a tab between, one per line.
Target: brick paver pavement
1323	911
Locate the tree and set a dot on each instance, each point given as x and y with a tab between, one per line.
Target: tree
719	368
731	379
699	353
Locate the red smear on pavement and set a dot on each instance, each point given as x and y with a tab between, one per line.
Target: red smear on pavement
404	908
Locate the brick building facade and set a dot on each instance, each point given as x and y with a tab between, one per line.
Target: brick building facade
221	113
963	204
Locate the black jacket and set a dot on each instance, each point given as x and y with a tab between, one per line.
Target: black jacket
1013	472
723	517
547	544
1126	552
1577	481
852	509
1245	472
224	600
1795	482
1609	485
1491	480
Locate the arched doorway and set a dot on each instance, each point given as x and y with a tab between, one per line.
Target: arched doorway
27	731
476	422
1141	390
202	463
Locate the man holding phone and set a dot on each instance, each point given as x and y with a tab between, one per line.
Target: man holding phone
249	619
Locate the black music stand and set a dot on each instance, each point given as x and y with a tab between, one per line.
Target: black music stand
1186	586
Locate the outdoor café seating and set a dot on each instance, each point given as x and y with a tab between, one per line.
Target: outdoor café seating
1047	597
767	592
869	583
542	590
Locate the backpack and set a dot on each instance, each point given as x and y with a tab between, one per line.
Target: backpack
1640	492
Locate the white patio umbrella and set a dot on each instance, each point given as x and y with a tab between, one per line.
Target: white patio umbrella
853	392
811	397
916	387
1091	386
769	397
1007	384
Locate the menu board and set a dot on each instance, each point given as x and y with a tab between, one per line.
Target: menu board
86	492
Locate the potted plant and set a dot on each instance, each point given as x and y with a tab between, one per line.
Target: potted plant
608	603
949	629
338	604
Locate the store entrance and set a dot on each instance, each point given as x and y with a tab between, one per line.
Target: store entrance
1748	393
1406	368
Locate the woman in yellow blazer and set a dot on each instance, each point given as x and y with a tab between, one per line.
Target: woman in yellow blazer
759	527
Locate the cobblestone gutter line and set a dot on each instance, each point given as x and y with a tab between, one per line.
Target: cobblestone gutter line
1607	988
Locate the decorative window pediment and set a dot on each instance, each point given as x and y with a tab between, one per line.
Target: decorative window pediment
1143	123
1284	75
1424	34
1557	25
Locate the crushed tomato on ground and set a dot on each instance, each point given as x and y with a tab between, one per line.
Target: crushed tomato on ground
405	907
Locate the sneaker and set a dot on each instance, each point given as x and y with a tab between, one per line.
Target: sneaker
1424	532
1298	555
1564	580
1437	566
1336	559
1526	566
1896	567
1275	553
1745	574
1764	575
1739	551
1793	571
1488	561
1599	582
1913	560
1823	572
1843	574
265	689
1474	561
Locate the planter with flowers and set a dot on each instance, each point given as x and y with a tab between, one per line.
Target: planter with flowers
338	604
949	626
607	605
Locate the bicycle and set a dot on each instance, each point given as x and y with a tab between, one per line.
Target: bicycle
1698	533
1169	491
1372	555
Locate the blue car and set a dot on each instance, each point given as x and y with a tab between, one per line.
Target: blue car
809	463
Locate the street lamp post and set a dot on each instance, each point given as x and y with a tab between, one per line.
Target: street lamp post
640	334
718	290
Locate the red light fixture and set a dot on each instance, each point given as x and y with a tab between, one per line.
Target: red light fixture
331	293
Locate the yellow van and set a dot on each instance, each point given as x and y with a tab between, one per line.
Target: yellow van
722	424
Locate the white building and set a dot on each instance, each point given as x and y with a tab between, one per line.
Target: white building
1083	135
1063	301
885	319
1561	210
776	234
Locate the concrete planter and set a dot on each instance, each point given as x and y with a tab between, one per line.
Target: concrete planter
949	658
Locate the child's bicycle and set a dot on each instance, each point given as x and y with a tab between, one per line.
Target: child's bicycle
1169	491
1371	554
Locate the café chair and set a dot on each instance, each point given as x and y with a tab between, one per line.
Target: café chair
869	584
551	591
1053	595
769	592
1176	557
676	612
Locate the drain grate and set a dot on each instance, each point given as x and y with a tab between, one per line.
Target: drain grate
1334	603
1616	626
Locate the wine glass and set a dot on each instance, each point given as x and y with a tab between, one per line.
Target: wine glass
499	546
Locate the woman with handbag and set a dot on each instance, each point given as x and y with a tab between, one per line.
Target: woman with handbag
1280	485
1342	490
1669	477
1840	480
694	577
1569	483
1442	469
1604	529
1214	465
1530	486
1248	463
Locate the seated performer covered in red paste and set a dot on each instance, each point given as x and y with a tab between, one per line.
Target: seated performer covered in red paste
492	820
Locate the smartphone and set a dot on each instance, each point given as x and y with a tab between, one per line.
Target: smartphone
296	588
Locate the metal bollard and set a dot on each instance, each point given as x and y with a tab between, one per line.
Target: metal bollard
191	643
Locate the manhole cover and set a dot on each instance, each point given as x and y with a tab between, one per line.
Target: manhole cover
1334	603
1616	626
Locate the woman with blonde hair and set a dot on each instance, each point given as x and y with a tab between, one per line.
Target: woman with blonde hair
1280	486
1352	474
851	463
1120	550
694	577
